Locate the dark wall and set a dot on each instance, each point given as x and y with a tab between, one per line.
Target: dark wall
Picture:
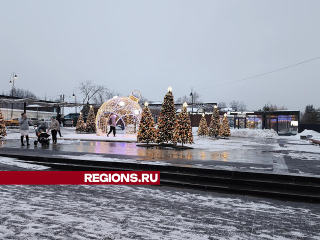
195	119
314	127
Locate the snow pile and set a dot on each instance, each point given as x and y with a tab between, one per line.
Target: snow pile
254	133
314	134
17	163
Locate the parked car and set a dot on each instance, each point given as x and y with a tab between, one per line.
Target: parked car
46	122
71	119
67	122
35	121
12	122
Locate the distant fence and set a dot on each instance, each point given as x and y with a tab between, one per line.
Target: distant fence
314	127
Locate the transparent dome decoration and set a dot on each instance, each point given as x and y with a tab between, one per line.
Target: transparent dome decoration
126	109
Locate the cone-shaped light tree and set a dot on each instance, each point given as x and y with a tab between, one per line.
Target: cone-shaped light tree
167	119
225	132
147	130
183	132
203	126
215	123
3	132
91	124
80	124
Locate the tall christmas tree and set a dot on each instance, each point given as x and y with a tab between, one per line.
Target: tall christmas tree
225	127
147	131
91	123
183	132
203	126
80	124
215	123
3	132
167	119
103	124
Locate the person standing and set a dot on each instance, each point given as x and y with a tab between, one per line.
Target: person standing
54	127
112	123
24	127
59	120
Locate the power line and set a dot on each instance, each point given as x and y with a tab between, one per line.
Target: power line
259	75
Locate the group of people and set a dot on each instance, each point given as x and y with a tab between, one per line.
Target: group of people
24	129
54	127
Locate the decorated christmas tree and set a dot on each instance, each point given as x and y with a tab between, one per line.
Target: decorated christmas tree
91	123
215	123
183	132
225	127
203	126
80	124
3	132
147	131
103	124
167	119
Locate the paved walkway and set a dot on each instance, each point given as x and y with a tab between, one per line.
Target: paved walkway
253	155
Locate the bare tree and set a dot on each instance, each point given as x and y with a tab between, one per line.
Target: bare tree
89	89
188	99
21	93
142	100
222	105
242	107
272	107
104	95
238	106
183	99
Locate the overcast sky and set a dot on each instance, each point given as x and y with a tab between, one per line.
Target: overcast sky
150	45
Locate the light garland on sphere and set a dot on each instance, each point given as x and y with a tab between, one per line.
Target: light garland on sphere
126	109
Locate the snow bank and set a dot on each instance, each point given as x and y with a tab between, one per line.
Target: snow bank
314	134
254	133
17	163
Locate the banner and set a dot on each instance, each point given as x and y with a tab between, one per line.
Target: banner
79	178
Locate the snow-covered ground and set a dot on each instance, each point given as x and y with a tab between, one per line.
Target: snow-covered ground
21	164
133	212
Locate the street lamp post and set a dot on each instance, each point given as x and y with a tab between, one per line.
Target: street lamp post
191	94
75	101
14	76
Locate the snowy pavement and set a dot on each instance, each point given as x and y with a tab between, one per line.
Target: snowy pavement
132	212
246	149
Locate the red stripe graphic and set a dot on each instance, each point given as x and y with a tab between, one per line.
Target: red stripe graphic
79	178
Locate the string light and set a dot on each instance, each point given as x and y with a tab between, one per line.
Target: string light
126	109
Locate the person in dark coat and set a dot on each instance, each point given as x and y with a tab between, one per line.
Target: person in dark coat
59	120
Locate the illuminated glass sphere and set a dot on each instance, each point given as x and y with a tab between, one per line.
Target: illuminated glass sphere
127	111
